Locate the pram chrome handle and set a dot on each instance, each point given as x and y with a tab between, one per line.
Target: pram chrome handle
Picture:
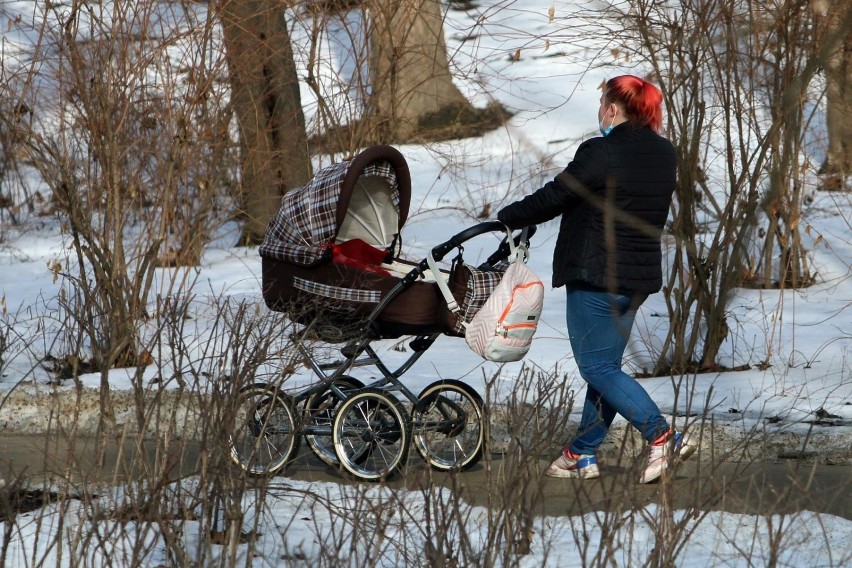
441	250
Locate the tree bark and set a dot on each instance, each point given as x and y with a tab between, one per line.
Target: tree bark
834	20
268	107
410	75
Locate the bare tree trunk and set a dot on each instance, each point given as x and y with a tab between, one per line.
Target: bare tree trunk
835	46
265	95
410	75
787	79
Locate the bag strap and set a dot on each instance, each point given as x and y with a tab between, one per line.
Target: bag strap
519	252
442	284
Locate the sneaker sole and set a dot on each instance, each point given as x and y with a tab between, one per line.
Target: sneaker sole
684	453
585	473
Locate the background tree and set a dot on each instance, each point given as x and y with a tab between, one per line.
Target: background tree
268	107
736	220
834	49
409	72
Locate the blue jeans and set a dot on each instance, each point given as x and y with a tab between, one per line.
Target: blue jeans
599	325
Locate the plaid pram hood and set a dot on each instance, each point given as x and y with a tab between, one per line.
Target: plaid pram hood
310	216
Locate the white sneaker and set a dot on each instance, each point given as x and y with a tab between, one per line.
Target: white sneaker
660	454
583	466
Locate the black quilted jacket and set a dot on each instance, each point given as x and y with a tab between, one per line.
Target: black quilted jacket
614	199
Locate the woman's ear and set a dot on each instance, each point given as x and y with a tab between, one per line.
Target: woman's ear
612	110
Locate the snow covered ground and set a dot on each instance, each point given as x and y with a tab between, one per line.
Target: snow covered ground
805	335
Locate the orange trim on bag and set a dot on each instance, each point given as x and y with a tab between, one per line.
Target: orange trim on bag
512	300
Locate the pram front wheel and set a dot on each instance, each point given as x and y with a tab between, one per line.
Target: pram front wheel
447	425
321	408
372	434
265	436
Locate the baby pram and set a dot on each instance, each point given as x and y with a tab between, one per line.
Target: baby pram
330	260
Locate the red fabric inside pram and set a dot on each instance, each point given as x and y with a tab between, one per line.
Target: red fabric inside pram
358	254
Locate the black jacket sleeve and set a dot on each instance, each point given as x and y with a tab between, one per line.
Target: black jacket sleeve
583	176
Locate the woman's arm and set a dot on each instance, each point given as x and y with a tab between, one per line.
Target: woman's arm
583	176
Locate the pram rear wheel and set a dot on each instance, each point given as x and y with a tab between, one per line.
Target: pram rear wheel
265	436
372	434
447	429
321	408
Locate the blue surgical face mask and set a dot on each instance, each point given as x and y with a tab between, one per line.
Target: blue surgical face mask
605	130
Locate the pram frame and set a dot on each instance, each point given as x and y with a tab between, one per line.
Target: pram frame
419	345
381	393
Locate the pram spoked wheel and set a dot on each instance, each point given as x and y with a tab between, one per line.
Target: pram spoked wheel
372	434
447	425
265	436
321	408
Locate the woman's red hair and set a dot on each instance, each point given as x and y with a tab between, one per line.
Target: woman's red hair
642	101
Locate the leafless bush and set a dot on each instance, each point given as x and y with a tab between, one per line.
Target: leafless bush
454	533
184	496
15	196
537	412
9	205
134	150
737	82
170	449
242	343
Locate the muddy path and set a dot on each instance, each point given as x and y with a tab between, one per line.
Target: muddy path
34	462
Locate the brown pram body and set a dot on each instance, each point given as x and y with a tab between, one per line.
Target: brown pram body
367	199
330	261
